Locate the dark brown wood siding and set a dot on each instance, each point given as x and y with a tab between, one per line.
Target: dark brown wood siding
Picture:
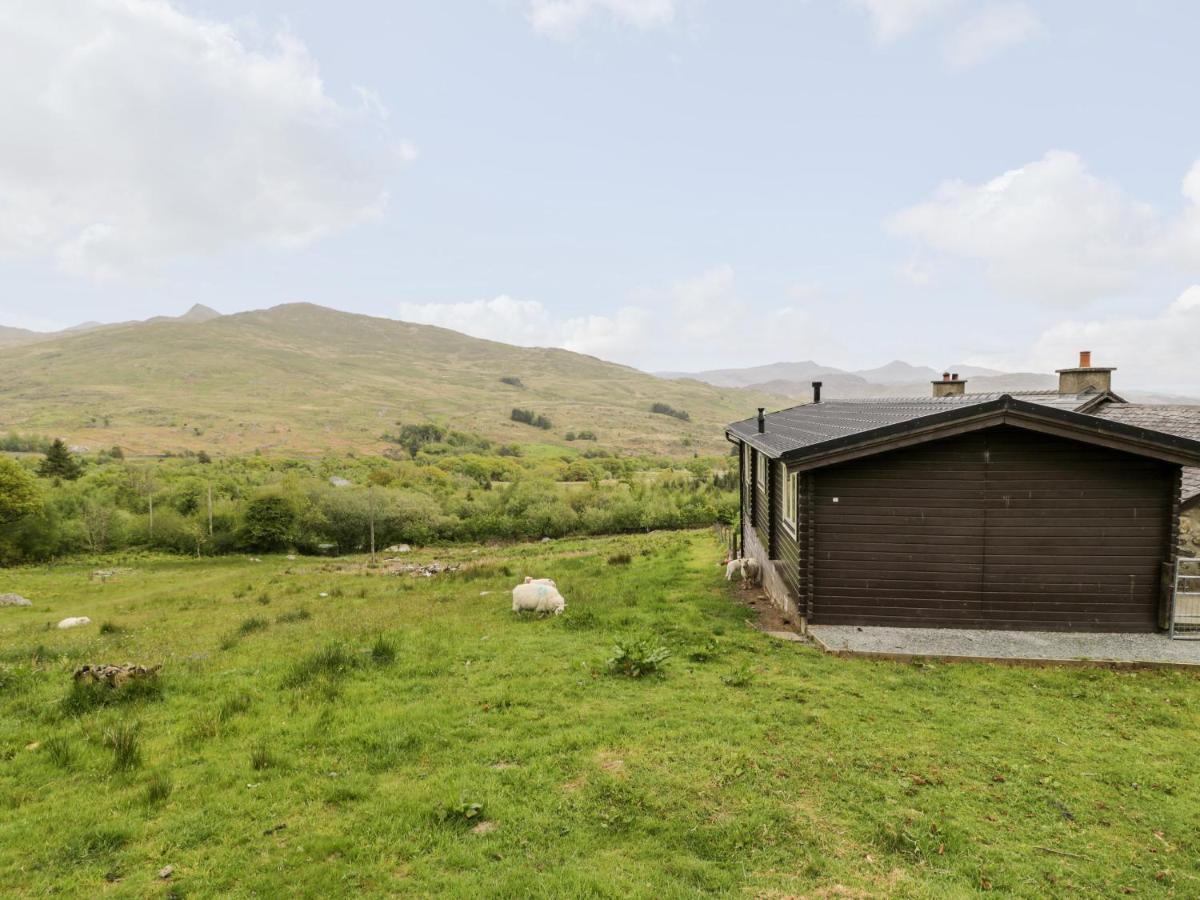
762	504
1003	528
786	550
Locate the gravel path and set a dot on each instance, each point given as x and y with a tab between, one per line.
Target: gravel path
1016	645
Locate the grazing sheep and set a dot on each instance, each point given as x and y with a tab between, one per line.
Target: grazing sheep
538	595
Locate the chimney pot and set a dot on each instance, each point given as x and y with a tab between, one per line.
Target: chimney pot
1085	359
945	376
762	420
816	386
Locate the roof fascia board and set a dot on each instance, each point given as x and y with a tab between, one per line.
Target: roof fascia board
1005	411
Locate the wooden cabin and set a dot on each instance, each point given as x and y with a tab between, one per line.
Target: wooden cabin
1053	510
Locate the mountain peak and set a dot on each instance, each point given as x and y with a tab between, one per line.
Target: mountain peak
199	313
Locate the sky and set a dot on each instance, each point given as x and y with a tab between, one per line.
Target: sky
671	184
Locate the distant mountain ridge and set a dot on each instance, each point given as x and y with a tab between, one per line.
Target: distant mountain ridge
792	381
305	378
12	337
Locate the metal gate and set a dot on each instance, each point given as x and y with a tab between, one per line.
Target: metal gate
1185	607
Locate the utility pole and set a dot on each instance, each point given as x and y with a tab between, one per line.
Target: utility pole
371	517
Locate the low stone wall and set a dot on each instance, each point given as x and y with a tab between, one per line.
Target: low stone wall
772	581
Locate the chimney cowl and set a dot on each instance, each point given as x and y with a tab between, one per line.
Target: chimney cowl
762	420
816	388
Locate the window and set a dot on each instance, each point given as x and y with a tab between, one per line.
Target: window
747	457
791	490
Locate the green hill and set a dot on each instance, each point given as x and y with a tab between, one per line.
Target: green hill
303	378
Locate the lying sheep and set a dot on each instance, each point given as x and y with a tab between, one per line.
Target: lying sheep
538	595
747	566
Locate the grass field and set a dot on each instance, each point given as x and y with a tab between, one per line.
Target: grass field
351	744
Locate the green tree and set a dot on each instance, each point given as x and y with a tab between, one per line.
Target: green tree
59	463
19	493
268	522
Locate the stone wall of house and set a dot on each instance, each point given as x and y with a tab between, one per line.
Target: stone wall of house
1189	532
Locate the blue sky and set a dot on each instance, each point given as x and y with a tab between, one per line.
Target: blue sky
676	184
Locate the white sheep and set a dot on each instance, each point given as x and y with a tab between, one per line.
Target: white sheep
74	622
538	595
747	566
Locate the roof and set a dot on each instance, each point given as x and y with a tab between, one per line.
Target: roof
831	431
1173	419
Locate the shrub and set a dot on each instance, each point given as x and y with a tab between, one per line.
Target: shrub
665	409
529	417
620	559
295	615
110	628
742	676
512	380
638	658
123	740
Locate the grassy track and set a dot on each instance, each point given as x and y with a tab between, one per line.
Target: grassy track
291	756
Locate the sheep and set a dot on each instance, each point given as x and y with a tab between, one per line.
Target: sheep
538	595
747	566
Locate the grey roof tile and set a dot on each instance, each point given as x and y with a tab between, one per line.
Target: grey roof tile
1180	420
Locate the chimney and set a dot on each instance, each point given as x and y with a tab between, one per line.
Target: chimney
816	392
949	386
1085	377
762	420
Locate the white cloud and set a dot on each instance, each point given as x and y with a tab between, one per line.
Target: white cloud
1156	351
136	134
1048	230
529	323
562	19
989	32
689	325
893	19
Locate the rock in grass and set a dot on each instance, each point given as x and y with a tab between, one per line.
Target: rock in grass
74	622
14	600
166	872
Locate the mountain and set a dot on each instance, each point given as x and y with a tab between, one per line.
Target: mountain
781	372
303	378
10	337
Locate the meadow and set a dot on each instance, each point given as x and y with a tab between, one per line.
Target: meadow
322	727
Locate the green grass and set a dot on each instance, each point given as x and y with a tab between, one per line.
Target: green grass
413	737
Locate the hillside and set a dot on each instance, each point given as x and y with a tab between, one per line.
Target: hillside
303	378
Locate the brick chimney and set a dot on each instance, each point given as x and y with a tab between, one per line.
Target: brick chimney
949	386
1085	376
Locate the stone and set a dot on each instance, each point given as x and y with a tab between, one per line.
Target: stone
115	676
398	548
74	622
166	872
14	600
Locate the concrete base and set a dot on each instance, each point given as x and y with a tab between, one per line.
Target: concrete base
1013	647
773	584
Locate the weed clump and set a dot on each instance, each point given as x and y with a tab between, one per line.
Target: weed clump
86	696
620	559
742	676
295	615
383	652
158	789
59	751
125	743
110	628
249	626
332	661
262	758
461	814
638	658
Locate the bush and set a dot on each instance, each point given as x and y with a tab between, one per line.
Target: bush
529	417
665	409
638	658
512	380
